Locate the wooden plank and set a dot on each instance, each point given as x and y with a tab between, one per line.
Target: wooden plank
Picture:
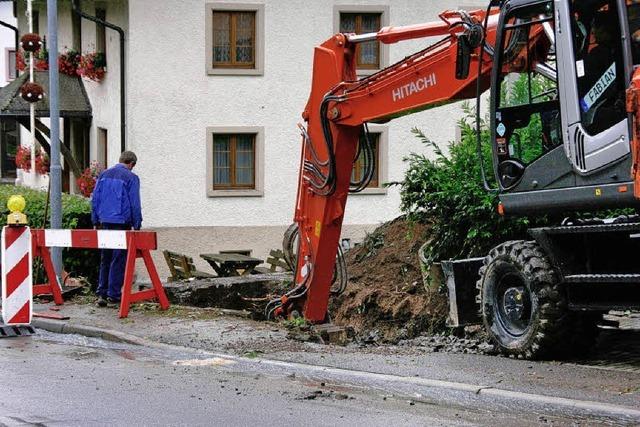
245	252
170	263
276	253
185	267
48	315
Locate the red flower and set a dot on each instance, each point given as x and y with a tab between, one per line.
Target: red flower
92	66
23	160
87	181
68	62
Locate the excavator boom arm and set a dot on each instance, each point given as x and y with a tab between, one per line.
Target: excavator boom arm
338	109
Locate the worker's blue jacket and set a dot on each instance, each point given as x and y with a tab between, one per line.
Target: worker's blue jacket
116	198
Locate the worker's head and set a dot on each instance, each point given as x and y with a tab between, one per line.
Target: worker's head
604	28
129	159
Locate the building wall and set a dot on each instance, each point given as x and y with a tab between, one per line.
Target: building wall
7	39
104	95
173	101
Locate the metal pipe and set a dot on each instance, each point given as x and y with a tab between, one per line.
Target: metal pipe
360	38
123	120
54	115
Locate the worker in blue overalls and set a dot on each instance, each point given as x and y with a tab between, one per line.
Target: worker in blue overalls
115	205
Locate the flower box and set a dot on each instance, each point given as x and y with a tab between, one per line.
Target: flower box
23	160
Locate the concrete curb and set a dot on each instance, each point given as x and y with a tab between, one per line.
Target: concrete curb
490	393
59	327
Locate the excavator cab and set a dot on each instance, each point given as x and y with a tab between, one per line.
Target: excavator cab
560	130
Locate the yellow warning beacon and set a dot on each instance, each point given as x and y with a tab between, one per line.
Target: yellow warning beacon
16	205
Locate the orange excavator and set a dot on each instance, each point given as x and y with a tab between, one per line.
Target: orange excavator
564	120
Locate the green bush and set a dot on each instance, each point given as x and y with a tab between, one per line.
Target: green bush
447	193
76	213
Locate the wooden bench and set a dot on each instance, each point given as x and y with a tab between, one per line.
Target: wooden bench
275	261
245	252
182	267
231	264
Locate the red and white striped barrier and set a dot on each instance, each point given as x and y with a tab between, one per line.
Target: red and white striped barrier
138	244
100	239
17	262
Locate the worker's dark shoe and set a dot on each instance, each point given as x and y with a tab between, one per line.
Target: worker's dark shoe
101	301
112	301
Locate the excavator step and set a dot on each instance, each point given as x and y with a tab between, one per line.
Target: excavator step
603	278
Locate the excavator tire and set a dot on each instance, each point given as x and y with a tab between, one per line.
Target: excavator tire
522	304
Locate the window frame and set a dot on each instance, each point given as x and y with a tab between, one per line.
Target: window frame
102	146
259	35
11	72
233	30
35	14
101	30
5	176
76	31
383	51
233	153
382	161
258	173
358	24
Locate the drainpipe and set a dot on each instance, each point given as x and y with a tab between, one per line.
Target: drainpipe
123	123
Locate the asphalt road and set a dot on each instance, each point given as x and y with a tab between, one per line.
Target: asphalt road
52	379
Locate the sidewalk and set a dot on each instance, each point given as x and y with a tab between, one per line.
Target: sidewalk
211	330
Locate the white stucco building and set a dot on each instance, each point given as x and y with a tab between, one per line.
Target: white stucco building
7	43
214	91
9	132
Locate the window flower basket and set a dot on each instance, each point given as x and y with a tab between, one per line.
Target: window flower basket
23	160
68	62
92	66
87	181
31	42
40	60
32	92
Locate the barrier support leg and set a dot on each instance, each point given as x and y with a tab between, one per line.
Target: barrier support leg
155	280
125	298
156	292
52	287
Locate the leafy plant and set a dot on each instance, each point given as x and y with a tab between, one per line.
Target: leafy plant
76	213
40	60
92	66
370	245
23	160
87	181
446	192
69	61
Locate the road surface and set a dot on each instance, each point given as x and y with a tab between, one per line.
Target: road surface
56	380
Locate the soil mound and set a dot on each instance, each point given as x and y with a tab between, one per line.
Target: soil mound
385	299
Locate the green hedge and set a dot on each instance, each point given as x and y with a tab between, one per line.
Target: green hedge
76	213
445	191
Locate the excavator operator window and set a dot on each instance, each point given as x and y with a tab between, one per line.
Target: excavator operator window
599	64
633	15
527	117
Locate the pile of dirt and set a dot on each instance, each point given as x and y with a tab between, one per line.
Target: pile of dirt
385	300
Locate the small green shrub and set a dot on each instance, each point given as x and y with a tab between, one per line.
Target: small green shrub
76	213
446	192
